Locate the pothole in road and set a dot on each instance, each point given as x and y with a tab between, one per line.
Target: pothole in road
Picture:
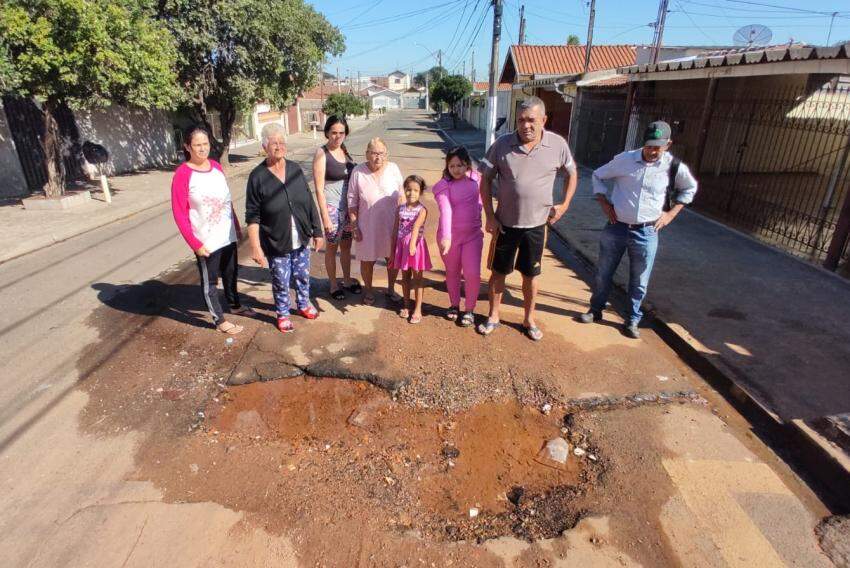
346	446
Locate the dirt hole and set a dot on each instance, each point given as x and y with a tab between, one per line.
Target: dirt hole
472	475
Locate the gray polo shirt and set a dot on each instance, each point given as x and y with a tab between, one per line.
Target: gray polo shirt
527	179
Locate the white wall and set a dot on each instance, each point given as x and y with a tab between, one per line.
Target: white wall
13	183
135	138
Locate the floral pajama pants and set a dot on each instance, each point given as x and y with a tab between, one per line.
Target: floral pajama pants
294	266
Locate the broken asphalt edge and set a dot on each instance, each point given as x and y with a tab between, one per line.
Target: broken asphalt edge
826	469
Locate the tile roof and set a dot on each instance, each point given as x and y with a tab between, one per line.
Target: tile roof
745	56
566	59
617	81
485	86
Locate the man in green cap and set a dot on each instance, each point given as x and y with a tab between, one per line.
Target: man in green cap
649	188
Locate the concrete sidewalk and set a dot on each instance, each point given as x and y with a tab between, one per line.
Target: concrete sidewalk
773	327
28	231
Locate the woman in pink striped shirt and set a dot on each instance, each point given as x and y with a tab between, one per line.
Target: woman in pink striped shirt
203	211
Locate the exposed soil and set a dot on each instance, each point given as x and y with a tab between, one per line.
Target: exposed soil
426	469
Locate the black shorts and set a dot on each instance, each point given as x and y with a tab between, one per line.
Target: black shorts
519	248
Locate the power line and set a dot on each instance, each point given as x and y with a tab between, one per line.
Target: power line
405	35
450	49
457	27
777	8
475	35
473	38
702	31
363	13
399	17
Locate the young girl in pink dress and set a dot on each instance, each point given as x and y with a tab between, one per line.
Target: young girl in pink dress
459	232
411	250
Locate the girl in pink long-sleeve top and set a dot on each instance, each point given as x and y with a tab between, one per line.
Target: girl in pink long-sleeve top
459	232
203	211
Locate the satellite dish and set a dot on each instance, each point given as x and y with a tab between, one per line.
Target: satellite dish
754	35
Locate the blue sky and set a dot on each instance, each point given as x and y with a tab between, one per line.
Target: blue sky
382	35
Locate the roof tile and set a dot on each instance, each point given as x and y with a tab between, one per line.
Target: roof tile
566	59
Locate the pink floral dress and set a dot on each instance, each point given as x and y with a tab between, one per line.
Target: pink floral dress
403	260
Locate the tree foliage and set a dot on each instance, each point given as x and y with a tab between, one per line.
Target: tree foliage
434	74
573	39
236	52
450	90
83	53
344	105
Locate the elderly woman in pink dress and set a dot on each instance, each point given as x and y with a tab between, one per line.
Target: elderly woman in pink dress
374	191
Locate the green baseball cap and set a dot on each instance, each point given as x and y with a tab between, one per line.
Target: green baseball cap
657	134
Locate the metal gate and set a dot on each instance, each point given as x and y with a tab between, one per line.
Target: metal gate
26	125
598	128
773	164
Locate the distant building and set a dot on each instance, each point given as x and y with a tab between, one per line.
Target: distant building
413	98
398	81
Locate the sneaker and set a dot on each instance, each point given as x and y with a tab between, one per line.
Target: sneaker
590	317
309	313
285	325
467	320
631	330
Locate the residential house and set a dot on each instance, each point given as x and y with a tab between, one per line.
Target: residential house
413	98
474	107
398	81
532	70
767	132
385	99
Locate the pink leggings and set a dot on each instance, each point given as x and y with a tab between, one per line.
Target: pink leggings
464	257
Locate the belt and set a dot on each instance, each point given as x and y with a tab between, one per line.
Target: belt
637	225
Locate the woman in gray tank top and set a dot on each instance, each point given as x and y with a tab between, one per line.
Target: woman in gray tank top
332	166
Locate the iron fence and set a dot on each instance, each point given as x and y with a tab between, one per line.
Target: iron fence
773	164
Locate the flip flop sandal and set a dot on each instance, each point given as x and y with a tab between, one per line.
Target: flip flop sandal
394	297
415	319
355	287
452	314
489	327
404	313
533	333
467	320
309	313
338	294
285	325
243	311
369	299
229	328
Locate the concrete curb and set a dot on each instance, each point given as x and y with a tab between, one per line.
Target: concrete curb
807	451
40	243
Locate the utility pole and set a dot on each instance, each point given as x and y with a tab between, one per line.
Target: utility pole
659	30
589	45
522	25
338	88
472	66
440	58
494	63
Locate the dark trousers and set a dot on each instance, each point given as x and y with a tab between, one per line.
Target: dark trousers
223	263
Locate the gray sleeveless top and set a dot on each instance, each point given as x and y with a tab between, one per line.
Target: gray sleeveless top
336	180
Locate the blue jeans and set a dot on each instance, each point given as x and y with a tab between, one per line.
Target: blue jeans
641	244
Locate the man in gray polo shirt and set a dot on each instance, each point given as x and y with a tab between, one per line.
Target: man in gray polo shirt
526	163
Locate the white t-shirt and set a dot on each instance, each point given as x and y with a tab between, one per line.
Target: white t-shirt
211	209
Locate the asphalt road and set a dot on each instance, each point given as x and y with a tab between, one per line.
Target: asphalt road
74	497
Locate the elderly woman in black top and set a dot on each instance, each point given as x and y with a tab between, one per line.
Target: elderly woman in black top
282	219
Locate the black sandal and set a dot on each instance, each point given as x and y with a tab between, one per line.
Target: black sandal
338	294
355	287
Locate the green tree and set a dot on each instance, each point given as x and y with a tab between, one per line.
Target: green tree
573	39
450	90
236	52
83	53
433	74
344	105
